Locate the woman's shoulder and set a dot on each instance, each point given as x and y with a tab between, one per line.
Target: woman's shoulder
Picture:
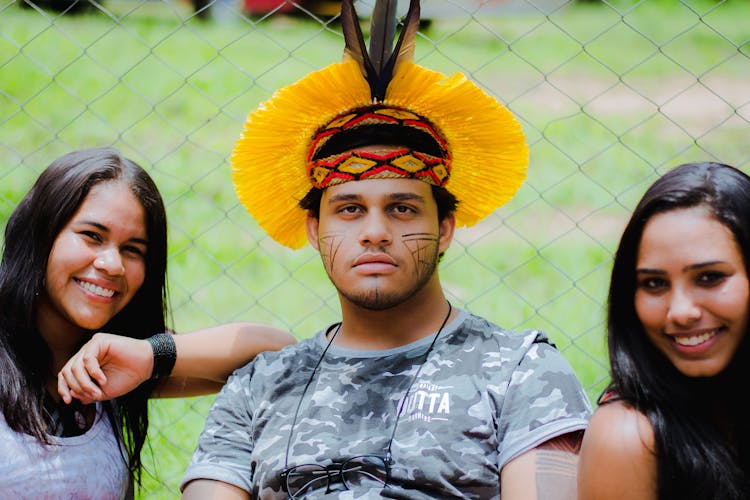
617	453
615	421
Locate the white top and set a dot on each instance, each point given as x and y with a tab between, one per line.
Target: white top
89	466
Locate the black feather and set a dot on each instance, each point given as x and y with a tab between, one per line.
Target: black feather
407	42
379	63
382	33
354	42
404	50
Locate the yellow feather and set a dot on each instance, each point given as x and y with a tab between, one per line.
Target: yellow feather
270	157
269	161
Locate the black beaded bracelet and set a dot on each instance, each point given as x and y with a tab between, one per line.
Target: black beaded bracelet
165	354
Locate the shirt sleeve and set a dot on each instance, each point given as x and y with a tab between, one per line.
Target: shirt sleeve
544	399
225	446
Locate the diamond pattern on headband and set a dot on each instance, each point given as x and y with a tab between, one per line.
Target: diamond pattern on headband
360	165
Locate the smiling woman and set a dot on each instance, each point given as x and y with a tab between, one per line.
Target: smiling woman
76	261
692	297
86	250
97	262
671	424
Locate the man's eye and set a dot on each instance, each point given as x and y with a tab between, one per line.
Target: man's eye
403	209
348	210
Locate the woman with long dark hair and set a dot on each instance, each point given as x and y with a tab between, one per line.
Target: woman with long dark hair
85	252
671	424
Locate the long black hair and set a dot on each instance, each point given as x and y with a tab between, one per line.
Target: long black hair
29	236
699	454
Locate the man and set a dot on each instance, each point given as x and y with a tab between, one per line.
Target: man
407	397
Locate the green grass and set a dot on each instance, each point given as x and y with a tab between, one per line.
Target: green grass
609	97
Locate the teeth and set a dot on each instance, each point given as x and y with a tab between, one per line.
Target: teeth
698	339
95	289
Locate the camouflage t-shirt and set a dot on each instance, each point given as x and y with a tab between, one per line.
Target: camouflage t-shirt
484	396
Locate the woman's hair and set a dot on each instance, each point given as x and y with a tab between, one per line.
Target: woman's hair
696	458
29	236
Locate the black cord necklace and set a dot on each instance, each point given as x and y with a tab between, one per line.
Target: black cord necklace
64	420
402	402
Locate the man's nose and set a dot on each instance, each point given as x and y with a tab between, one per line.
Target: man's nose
375	229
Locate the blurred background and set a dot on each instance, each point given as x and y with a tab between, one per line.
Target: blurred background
610	94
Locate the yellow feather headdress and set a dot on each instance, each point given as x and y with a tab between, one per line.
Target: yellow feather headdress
484	157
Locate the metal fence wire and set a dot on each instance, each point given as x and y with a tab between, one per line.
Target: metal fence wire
610	94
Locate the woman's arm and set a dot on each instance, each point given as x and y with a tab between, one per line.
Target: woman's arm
617	461
108	365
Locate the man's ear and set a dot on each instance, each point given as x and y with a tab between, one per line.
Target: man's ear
311	226
447	226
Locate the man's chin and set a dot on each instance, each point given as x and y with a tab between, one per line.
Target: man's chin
375	300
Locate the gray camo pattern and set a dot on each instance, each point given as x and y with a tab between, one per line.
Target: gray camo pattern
484	396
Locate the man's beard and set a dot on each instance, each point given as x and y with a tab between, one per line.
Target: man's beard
375	299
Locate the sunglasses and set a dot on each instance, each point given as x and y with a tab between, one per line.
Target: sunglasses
362	471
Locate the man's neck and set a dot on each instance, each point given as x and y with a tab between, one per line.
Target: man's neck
400	325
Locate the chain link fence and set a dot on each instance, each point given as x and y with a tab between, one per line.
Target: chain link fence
610	94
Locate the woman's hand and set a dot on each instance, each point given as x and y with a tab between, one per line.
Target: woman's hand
107	366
